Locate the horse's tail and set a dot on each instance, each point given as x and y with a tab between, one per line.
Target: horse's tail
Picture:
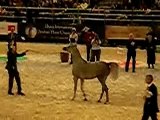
114	70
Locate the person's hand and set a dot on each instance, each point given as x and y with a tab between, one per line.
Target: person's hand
148	94
144	97
26	51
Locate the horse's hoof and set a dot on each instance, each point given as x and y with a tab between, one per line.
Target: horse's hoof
72	99
85	99
99	101
106	102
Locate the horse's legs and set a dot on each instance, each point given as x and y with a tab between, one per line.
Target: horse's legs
75	79
101	94
100	80
104	88
107	96
82	83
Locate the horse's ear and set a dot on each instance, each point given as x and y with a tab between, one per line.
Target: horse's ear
65	48
73	44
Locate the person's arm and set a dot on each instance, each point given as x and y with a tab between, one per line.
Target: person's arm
98	40
92	41
135	44
127	44
9	37
76	38
154	91
154	45
69	38
21	54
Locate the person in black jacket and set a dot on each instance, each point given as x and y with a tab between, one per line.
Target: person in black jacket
151	48
131	53
150	108
12	68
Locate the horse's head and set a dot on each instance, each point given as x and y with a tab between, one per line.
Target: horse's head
70	48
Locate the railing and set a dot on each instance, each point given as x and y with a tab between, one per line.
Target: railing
105	15
58	19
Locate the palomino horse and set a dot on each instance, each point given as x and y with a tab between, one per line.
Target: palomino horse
82	69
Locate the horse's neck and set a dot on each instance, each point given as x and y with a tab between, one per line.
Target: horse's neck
76	57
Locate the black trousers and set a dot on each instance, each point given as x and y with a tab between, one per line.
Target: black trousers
13	73
95	54
151	57
146	116
129	56
88	47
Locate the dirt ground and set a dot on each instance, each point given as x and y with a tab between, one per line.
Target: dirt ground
48	86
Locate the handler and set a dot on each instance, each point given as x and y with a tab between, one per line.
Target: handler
131	53
12	68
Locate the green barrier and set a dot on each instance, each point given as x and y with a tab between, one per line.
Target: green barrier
158	49
4	58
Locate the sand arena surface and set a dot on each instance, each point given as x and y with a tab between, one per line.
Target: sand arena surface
48	86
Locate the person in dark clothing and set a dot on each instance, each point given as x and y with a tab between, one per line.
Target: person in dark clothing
149	3
12	69
150	108
151	48
88	36
131	53
12	38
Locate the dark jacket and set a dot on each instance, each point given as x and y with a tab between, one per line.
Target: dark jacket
12	36
151	49
131	47
12	60
150	45
151	104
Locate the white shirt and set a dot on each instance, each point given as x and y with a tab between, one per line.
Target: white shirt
73	36
95	44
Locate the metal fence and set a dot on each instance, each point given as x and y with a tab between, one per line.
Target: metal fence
65	18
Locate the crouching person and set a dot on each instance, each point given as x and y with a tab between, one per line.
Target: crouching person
12	69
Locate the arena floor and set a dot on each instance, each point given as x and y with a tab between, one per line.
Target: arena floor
48	86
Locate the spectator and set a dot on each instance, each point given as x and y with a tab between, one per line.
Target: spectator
4	2
83	5
55	3
93	3
3	11
149	4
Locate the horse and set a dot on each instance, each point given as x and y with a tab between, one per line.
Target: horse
81	69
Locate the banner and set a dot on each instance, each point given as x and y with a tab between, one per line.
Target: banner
5	27
122	32
48	31
55	31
